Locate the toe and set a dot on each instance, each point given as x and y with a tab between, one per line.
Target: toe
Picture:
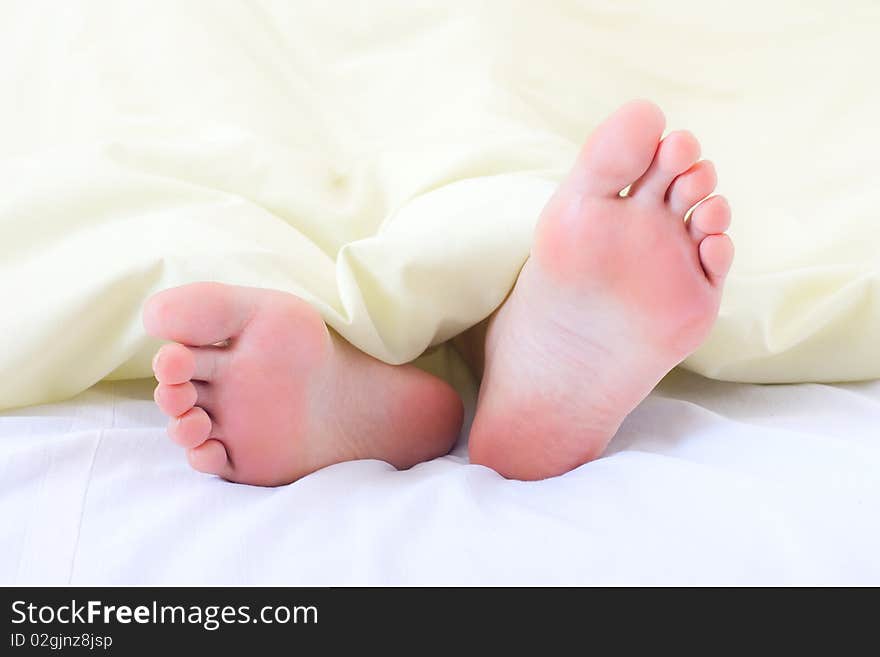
619	150
691	187
190	429
711	217
204	395
210	457
173	364
676	154
716	256
175	400
208	362
200	313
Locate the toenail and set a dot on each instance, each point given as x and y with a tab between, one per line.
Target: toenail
156	359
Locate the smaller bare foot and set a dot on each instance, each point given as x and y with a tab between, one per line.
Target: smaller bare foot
616	292
260	392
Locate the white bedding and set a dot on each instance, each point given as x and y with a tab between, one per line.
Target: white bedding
707	483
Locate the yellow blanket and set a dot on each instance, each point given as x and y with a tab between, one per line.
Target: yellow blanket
387	160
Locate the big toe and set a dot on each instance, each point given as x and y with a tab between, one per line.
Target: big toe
198	314
619	151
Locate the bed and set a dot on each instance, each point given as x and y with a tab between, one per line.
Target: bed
387	164
707	483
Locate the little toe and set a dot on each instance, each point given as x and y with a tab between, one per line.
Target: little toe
175	400
190	429
716	256
711	217
691	187
618	151
210	457
173	364
676	154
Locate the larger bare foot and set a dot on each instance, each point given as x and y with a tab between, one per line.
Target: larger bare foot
616	292
281	397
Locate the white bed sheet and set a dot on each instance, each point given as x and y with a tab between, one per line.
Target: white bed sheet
706	483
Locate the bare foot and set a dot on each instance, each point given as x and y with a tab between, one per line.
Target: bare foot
616	292
282	397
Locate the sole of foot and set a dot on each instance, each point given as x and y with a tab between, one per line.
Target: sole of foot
259	391
618	289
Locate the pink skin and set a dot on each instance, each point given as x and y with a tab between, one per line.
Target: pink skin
282	396
616	292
